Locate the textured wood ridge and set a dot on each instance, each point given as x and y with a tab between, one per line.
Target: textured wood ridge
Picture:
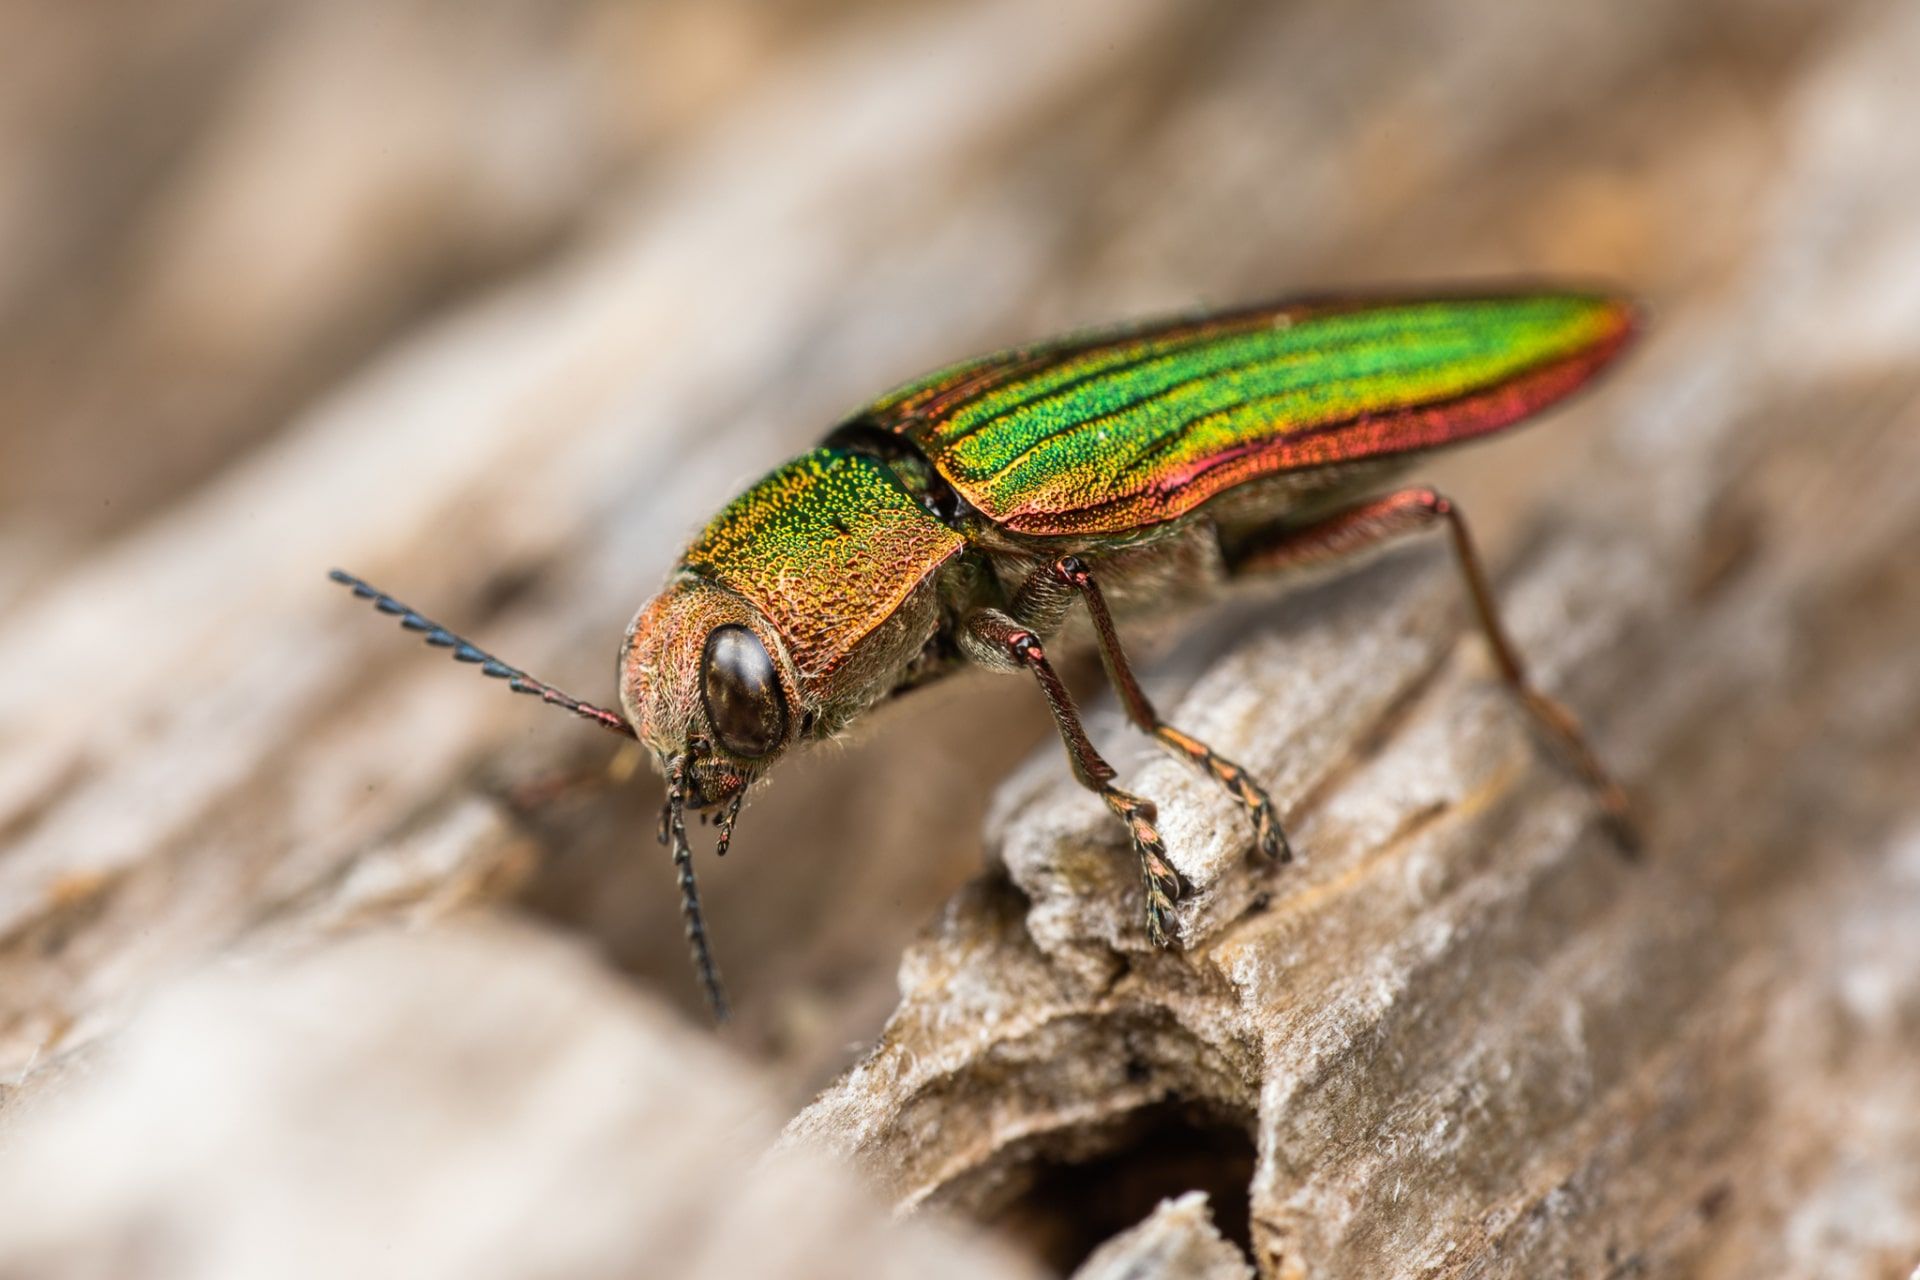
607	266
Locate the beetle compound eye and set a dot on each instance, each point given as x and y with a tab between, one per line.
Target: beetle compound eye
744	703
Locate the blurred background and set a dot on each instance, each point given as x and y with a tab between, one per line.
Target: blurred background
218	211
493	301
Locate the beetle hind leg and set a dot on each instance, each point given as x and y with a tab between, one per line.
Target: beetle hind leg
996	641
1268	835
1411	511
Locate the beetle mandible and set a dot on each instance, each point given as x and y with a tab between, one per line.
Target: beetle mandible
957	520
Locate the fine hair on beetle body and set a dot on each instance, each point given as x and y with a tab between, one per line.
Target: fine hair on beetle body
1075	488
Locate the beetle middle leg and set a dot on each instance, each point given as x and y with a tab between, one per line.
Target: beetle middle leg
994	640
567	784
1410	511
1073	573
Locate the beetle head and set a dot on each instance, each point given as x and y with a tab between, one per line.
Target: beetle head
705	679
701	685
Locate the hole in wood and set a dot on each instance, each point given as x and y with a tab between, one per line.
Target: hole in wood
1077	1191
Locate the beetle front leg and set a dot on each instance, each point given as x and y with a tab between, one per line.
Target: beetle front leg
1410	511
1073	573
996	641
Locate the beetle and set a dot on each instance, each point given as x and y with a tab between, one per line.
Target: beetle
959	519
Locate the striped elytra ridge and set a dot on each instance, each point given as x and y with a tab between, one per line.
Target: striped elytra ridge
1114	431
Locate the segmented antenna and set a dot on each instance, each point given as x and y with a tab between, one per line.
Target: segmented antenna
673	830
463	651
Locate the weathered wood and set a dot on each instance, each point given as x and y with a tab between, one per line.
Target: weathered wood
1459	1036
358	1111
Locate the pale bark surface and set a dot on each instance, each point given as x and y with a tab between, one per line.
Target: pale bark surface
478	1102
602	270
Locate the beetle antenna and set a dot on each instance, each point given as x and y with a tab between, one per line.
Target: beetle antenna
674	826
463	651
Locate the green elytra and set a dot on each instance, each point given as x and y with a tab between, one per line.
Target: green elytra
959	520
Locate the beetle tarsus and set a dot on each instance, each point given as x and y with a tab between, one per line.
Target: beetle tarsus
1157	876
1268	835
1160	881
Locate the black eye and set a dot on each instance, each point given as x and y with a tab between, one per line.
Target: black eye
744	703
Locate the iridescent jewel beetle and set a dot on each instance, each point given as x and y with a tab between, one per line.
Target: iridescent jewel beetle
960	519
